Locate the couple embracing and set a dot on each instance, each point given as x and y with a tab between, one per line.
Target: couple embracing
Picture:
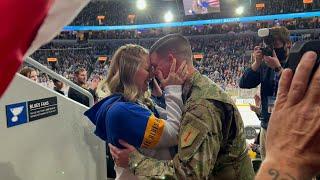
200	119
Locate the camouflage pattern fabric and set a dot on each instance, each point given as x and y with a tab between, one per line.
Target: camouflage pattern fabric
211	139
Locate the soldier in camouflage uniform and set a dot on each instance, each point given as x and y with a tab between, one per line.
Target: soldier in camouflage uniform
211	139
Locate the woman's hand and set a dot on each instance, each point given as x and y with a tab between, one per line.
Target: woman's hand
174	77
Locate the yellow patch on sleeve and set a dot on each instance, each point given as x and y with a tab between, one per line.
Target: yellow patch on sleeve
189	134
153	132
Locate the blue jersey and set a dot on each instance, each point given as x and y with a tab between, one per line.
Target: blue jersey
117	119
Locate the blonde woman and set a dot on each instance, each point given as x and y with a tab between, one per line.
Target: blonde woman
125	115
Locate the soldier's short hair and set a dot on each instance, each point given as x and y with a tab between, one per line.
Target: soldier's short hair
175	44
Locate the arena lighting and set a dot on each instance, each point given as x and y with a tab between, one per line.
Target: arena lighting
141	4
168	17
196	23
240	10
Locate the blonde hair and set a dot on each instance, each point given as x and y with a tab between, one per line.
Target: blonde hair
124	65
102	89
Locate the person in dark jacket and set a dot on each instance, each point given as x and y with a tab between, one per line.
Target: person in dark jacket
266	70
58	85
81	80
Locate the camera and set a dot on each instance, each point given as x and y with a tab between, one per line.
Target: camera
267	51
268	38
269	35
297	51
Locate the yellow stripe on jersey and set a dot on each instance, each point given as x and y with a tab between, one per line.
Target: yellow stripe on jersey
153	132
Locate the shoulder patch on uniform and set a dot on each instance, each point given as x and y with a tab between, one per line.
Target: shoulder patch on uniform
189	134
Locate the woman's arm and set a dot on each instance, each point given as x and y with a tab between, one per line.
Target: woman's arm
174	105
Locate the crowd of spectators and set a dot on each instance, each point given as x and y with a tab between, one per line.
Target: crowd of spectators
71	57
122	12
224	57
310	23
114	11
117	12
280	7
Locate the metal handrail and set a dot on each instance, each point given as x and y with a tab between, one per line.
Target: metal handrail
55	75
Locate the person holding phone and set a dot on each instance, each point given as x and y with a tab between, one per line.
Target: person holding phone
266	70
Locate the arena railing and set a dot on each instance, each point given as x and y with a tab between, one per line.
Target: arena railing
58	77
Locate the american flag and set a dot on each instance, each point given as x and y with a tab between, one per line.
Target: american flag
209	3
214	3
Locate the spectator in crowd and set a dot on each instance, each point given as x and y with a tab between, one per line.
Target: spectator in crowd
58	85
81	80
266	71
29	73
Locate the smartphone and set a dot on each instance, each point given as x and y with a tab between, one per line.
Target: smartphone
297	51
267	51
151	84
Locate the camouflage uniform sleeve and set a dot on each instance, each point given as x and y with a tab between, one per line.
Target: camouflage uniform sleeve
148	168
199	144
